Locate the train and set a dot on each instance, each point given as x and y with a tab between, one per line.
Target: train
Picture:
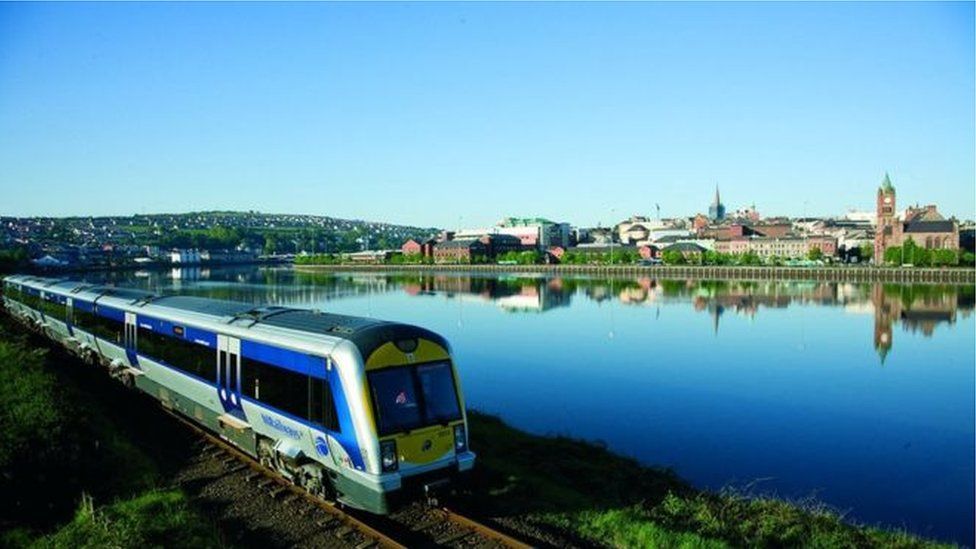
364	412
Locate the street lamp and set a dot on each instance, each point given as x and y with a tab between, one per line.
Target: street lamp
613	227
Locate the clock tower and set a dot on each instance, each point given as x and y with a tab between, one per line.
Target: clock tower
888	229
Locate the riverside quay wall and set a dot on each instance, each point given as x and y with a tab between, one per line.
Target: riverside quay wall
695	272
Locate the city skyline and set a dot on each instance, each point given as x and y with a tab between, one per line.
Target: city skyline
458	114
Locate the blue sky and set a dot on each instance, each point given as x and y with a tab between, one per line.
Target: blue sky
445	114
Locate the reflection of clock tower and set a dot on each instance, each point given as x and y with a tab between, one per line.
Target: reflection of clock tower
888	230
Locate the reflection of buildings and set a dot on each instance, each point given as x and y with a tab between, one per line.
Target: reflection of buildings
917	308
509	293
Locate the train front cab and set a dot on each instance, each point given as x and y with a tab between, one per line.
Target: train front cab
415	404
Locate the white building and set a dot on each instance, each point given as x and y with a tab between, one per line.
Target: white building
184	256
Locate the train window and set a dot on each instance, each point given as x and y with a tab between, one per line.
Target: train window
274	386
321	404
53	309
97	325
395	399
409	397
30	299
440	396
183	355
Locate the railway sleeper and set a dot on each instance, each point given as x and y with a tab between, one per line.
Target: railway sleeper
454	536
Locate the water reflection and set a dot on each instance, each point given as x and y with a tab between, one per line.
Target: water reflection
917	308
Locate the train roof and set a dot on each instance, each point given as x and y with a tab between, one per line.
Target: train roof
366	333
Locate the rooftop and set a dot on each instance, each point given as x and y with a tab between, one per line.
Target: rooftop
943	226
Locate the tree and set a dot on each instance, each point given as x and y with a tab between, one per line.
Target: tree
865	252
270	244
815	254
914	254
942	258
712	257
750	258
893	255
673	257
529	257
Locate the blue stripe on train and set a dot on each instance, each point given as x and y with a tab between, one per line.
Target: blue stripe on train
284	358
276	356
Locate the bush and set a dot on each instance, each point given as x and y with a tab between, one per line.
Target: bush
55	442
31	414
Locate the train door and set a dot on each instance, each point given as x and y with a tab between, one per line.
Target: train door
229	373
69	316
129	340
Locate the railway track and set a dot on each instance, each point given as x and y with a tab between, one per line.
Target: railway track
418	526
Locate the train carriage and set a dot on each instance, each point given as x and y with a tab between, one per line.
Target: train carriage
355	409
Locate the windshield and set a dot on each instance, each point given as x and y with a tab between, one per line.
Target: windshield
410	397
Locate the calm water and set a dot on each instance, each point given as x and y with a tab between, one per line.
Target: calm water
861	396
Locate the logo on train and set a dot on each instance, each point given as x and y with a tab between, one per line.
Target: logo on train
427	445
278	425
321	446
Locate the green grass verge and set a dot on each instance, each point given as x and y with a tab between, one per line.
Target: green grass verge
610	500
151	519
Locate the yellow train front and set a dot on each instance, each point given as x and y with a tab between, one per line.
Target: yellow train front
414	410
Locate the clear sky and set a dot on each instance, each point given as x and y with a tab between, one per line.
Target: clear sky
440	114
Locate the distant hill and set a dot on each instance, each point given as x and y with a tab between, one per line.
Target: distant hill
266	233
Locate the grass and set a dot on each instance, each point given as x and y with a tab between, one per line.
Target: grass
60	444
610	500
151	519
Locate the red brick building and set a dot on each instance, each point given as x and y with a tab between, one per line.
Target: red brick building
924	225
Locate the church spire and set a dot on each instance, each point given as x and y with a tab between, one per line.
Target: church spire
886	185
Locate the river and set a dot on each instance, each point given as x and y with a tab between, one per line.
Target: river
856	396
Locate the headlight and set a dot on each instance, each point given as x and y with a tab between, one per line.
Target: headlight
388	455
460	438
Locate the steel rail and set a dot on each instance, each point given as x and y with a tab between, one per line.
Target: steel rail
486	531
380	538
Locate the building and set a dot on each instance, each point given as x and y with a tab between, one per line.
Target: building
716	212
184	256
499	244
411	247
465	250
423	249
887	228
924	225
537	232
462	250
369	256
786	247
734	230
